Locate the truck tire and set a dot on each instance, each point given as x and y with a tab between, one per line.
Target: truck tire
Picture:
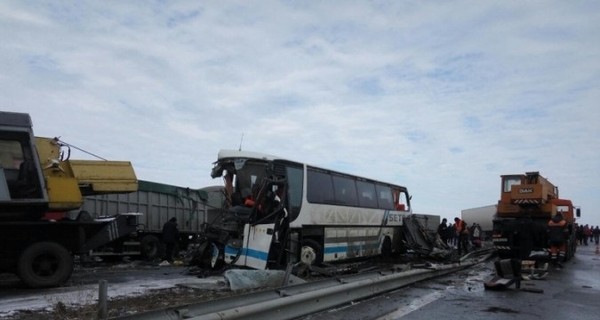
150	247
45	264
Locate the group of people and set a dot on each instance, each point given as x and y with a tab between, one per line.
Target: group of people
588	234
459	235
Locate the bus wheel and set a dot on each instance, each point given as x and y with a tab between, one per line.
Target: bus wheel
45	264
311	252
386	248
150	247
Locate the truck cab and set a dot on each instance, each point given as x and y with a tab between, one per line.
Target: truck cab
22	195
37	190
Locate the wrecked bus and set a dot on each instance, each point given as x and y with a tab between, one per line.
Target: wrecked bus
279	212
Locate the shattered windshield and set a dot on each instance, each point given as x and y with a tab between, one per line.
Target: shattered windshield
248	176
240	177
509	182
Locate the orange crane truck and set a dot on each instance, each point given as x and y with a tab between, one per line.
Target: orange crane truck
40	188
527	202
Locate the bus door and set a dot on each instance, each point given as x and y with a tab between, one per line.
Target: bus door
257	242
267	225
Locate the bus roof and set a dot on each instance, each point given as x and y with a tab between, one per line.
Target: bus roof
235	154
232	154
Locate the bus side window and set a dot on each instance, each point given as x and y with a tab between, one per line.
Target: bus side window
366	194
384	197
320	187
345	191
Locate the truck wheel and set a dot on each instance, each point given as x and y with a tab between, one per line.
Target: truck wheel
150	247
311	252
45	264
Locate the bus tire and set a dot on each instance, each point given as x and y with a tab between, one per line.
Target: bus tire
150	247
45	264
386	248
311	252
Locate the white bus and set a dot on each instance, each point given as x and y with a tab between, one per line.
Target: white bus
280	211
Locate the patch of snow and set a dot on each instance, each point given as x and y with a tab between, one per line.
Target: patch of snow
88	294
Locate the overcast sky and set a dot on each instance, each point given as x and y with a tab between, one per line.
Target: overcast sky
440	96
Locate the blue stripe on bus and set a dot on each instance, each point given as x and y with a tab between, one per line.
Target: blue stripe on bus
256	254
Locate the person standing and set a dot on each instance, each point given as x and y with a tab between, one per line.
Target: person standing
442	231
596	234
451	235
462	234
557	235
587	234
170	234
476	235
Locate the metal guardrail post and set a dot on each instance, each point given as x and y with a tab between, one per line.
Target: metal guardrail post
102	300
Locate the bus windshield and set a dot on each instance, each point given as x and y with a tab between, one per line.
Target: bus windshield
242	177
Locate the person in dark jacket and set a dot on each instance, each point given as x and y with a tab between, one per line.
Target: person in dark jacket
557	235
170	234
443	231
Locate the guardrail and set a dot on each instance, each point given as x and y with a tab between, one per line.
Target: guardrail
303	299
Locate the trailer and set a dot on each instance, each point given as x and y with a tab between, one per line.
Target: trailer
156	203
483	216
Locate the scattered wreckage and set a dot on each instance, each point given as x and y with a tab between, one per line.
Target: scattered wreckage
421	247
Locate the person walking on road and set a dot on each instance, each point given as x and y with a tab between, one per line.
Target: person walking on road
170	234
596	234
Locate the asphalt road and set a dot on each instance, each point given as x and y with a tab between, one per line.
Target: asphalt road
570	293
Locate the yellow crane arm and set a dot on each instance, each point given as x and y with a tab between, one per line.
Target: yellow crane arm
67	181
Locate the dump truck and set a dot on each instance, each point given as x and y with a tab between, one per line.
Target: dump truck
157	203
39	186
527	202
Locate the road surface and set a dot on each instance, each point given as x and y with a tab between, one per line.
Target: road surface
570	293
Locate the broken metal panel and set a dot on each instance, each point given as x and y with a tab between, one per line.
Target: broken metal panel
417	237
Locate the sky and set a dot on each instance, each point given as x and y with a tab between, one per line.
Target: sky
442	97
